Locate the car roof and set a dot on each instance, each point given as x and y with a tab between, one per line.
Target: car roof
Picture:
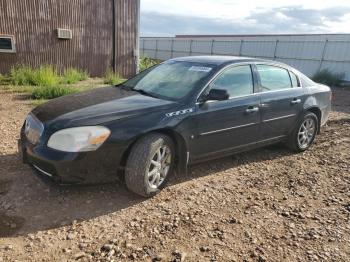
222	60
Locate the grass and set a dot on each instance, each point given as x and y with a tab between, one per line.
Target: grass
38	102
72	76
112	78
21	75
146	62
329	78
47	92
45	75
45	82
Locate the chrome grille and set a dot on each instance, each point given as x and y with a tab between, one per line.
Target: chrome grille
33	129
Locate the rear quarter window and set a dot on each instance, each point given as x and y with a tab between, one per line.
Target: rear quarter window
294	78
305	81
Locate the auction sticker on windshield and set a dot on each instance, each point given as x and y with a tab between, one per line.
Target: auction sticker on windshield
200	69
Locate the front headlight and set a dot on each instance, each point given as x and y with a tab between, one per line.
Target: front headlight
79	139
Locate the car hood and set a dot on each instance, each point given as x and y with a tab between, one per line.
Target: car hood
97	106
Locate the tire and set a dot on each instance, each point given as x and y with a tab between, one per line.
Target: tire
141	164
295	139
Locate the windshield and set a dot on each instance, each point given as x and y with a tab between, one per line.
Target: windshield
170	80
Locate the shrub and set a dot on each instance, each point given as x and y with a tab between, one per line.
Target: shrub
146	62
329	78
72	76
112	78
21	75
4	80
50	92
45	75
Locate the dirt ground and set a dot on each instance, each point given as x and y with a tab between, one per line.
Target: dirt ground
265	205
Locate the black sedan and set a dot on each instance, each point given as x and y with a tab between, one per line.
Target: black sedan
180	112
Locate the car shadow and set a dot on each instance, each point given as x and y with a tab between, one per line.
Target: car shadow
27	205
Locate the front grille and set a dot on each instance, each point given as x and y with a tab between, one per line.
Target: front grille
33	129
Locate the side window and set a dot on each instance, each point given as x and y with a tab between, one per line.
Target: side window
294	78
274	78
238	81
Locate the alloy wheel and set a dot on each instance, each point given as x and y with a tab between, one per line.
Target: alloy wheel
159	167
306	133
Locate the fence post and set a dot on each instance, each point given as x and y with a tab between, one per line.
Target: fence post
240	48
275	52
212	47
156	53
323	54
172	48
191	47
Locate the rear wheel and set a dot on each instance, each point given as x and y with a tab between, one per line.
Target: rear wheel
149	165
304	133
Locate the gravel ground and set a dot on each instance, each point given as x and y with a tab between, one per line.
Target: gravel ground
264	205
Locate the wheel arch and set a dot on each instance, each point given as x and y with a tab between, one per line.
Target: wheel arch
179	142
317	111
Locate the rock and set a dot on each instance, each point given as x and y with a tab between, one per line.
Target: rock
79	255
8	247
107	247
70	236
232	220
204	249
179	255
113	241
66	250
111	253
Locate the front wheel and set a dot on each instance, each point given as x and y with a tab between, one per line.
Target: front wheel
149	165
304	133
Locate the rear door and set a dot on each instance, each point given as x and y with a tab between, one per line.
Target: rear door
281	100
225	125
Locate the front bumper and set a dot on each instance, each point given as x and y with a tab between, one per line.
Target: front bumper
100	166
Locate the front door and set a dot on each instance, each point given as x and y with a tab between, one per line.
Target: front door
226	125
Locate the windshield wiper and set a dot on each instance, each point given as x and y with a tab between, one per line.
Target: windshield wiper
143	92
140	91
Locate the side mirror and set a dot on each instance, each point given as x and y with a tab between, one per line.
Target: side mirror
217	94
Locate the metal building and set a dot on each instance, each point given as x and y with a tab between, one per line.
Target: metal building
93	35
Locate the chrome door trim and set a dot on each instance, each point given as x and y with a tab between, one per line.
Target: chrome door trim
226	129
278	118
241	146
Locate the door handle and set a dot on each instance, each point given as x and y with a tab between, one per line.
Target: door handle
252	109
296	101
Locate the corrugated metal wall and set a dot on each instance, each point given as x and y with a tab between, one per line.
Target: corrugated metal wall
34	24
309	56
127	26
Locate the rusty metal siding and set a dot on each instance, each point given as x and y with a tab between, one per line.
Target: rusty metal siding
126	36
34	24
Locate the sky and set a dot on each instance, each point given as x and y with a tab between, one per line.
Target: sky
171	17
